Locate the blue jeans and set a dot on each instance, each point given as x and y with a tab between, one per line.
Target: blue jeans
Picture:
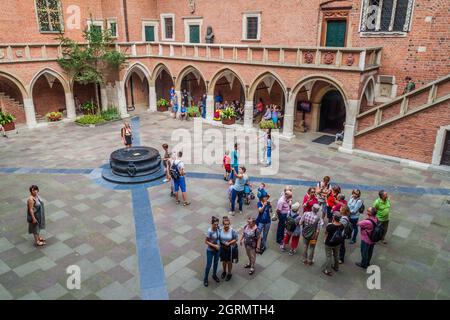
354	222
264	229
240	197
210	256
281	226
232	173
269	156
366	253
203	111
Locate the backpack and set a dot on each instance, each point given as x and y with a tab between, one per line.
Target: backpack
291	224
174	173
362	208
377	232
348	230
310	230
337	237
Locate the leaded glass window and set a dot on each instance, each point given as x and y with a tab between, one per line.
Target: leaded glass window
168	24
252	27
49	15
386	16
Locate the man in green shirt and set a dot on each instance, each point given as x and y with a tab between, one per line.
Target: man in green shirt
383	206
410	85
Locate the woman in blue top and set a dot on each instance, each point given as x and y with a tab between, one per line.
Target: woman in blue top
275	116
354	204
263	221
269	148
212	250
238	188
234	161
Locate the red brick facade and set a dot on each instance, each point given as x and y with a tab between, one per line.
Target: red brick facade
290	51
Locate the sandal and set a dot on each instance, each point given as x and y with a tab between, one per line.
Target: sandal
248	265
328	273
42	240
177	202
252	271
39	244
186	203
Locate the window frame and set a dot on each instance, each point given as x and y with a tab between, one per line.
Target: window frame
61	19
192	22
108	26
95	22
150	23
389	33
246	15
163	26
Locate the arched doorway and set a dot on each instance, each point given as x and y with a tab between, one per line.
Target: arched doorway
163	83
11	99
48	94
332	112
137	92
268	90
195	86
83	93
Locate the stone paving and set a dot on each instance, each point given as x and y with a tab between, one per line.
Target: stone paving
93	226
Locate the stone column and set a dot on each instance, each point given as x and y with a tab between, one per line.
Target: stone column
30	113
209	107
179	98
288	122
315	114
120	88
152	98
104	98
350	122
70	106
248	114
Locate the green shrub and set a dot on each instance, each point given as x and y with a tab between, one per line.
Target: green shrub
88	107
162	102
90	119
266	124
228	113
193	111
6	118
111	114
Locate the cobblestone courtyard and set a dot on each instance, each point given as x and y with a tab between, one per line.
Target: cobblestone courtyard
105	229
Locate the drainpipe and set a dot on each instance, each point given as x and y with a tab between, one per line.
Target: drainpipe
125	15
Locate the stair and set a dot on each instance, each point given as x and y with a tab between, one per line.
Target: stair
432	94
10	105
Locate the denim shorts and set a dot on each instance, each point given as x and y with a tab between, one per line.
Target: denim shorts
179	184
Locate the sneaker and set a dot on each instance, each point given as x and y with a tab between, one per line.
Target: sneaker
291	253
282	248
205	283
223	275
231	213
360	265
216	278
240	212
228	278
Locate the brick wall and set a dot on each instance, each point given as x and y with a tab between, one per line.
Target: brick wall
411	138
48	99
12	107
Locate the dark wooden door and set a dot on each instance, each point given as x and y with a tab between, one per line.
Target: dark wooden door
336	30
446	153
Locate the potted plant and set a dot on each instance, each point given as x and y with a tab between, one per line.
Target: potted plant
7	121
193	111
54	116
228	116
266	124
88	107
162	105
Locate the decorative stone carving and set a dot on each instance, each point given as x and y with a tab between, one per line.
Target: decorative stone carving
209	38
328	58
191	5
335	14
309	57
350	59
19	54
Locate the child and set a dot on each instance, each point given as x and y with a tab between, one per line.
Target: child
227	165
183	110
262	191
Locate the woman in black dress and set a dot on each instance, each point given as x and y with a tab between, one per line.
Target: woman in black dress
35	216
127	135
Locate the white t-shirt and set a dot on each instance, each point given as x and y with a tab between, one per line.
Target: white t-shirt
179	164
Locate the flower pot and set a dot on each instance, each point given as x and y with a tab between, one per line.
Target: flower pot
228	121
9	126
161	108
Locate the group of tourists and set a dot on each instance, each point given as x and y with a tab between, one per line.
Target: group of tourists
186	101
220	105
271	112
324	207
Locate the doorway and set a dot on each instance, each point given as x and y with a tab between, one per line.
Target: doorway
332	113
446	152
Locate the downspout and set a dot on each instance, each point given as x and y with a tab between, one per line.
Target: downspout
125	15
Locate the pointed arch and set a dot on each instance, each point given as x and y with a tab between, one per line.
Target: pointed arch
368	90
221	73
262	77
52	73
318	77
19	83
139	68
184	72
157	70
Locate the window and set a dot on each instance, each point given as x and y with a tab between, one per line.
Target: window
386	16
112	27
168	27
193	30
150	31
49	15
251	30
96	25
